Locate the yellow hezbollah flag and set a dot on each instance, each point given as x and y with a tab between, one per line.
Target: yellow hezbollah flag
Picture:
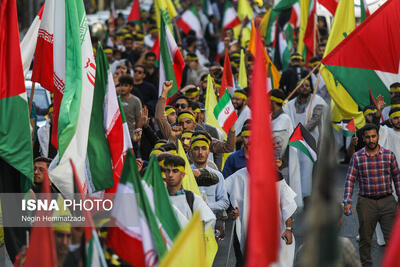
189	183
244	10
168	11
273	72
343	105
188	248
242	71
304	6
264	23
211	102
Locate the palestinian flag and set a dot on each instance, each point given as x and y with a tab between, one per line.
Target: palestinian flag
135	235
227	77
371	67
75	63
157	194
189	20
94	255
171	60
16	159
225	112
349	128
304	141
28	44
134	15
310	34
106	135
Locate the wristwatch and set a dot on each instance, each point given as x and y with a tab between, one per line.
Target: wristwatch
289	229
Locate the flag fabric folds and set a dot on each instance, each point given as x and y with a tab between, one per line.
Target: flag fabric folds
225	112
371	67
262	244
349	129
304	141
189	20
134	15
171	60
227	77
343	105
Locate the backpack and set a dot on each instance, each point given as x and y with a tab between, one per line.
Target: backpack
189	199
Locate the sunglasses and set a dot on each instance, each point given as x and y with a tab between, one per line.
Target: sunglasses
180	105
138	71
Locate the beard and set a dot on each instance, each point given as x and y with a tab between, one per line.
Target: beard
372	145
238	106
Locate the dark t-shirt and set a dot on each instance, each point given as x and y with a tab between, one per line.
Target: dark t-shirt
148	95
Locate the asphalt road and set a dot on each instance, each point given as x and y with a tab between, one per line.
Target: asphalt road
349	229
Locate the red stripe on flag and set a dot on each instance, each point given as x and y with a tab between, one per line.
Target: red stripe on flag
183	25
229	122
227	78
135	11
42	71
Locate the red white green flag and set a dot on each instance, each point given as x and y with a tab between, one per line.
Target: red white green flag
304	141
74	63
106	134
370	66
134	15
189	20
225	112
171	60
349	128
227	77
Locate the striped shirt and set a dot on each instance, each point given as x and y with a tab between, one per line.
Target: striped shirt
374	173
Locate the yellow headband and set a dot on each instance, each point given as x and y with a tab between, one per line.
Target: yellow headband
169	111
394	115
180	168
187	134
202	136
186	116
192	58
173	152
155	152
246	133
394	89
277	100
392	106
191	94
50	110
108	50
369	111
199	143
153	30
240	95
139	41
197	110
158	144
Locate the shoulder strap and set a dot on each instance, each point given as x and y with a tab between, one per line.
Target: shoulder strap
189	199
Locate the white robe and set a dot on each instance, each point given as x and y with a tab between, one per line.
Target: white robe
43	135
306	164
238	188
282	128
244	116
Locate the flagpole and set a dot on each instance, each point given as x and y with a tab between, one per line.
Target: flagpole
178	34
301	83
230	243
31	97
312	98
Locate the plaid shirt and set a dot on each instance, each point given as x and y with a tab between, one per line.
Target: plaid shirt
374	173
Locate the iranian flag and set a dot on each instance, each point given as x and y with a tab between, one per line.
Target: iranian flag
225	112
304	141
105	148
230	19
28	44
227	77
171	60
74	63
349	128
189	20
159	201
135	235
370	66
94	255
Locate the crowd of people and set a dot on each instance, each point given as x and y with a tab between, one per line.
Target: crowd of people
218	160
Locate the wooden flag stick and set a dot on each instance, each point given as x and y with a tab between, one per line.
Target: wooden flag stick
312	98
31	97
300	84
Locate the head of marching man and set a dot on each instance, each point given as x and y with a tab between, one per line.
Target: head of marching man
174	170
305	88
394	116
369	113
41	165
199	151
245	134
370	136
187	120
277	97
239	99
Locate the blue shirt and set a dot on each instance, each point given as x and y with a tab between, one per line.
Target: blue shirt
234	162
217	196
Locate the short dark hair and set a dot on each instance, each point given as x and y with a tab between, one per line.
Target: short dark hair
43	159
175	161
396	84
369	127
150	54
395	100
169	146
139	66
125	79
181	97
194	105
393	110
201	132
369	107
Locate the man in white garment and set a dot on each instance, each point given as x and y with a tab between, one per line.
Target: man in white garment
238	190
239	102
185	202
394	99
282	128
304	108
